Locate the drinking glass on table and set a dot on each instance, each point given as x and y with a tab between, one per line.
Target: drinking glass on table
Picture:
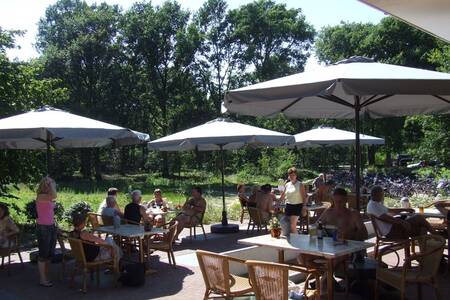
421	210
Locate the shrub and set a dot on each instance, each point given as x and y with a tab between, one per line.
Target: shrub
78	209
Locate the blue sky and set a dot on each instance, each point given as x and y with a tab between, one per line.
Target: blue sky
24	15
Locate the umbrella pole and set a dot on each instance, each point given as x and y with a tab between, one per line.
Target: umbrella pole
357	152
48	156
224	227
224	210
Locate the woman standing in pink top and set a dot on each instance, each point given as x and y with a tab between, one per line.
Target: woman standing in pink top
46	227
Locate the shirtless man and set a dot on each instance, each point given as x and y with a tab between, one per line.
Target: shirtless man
347	221
264	201
192	211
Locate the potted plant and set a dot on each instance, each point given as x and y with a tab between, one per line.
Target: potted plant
275	227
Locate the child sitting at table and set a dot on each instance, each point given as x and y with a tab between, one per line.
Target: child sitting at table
7	227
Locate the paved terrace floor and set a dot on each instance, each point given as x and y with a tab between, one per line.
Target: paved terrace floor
184	282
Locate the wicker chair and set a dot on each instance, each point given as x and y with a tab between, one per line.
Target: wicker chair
270	280
165	244
66	254
84	266
393	244
14	247
256	220
429	259
199	223
244	210
218	280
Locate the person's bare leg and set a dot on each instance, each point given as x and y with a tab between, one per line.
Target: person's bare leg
293	220
42	267
181	224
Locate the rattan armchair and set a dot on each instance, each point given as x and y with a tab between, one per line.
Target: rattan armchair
270	280
393	245
165	244
256	220
244	209
198	222
218	280
13	247
429	259
84	266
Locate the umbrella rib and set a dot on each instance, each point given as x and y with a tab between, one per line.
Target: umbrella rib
442	98
291	104
336	99
372	100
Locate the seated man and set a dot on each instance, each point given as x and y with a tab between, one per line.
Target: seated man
158	202
390	226
347	221
264	201
349	225
134	211
192	211
111	192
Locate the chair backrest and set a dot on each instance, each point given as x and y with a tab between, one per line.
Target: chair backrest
215	270
93	219
255	215
76	245
431	251
269	280
107	220
242	201
170	236
376	229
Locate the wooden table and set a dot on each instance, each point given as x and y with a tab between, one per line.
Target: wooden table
307	244
133	232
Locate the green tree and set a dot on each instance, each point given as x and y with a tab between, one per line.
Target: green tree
275	40
162	45
22	88
79	45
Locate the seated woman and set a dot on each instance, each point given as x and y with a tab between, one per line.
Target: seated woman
192	211
251	202
7	227
243	199
158	202
264	201
110	211
94	250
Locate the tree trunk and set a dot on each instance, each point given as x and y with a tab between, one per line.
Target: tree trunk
371	155
86	163
97	165
165	165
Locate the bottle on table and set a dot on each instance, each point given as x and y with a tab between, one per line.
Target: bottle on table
319	230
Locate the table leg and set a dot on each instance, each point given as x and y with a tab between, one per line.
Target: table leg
141	256
330	279
448	242
281	256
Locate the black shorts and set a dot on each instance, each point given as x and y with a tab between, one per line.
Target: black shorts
46	236
293	209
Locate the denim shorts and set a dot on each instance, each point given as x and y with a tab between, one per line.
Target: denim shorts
46	236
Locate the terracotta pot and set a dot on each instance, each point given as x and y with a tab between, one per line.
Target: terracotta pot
275	232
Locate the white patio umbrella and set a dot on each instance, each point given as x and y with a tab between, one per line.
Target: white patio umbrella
330	136
220	134
348	89
48	126
432	16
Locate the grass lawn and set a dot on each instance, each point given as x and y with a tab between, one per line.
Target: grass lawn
175	190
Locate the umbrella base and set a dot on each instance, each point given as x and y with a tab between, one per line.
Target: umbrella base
219	228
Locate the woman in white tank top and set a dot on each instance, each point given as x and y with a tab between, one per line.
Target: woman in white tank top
295	196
